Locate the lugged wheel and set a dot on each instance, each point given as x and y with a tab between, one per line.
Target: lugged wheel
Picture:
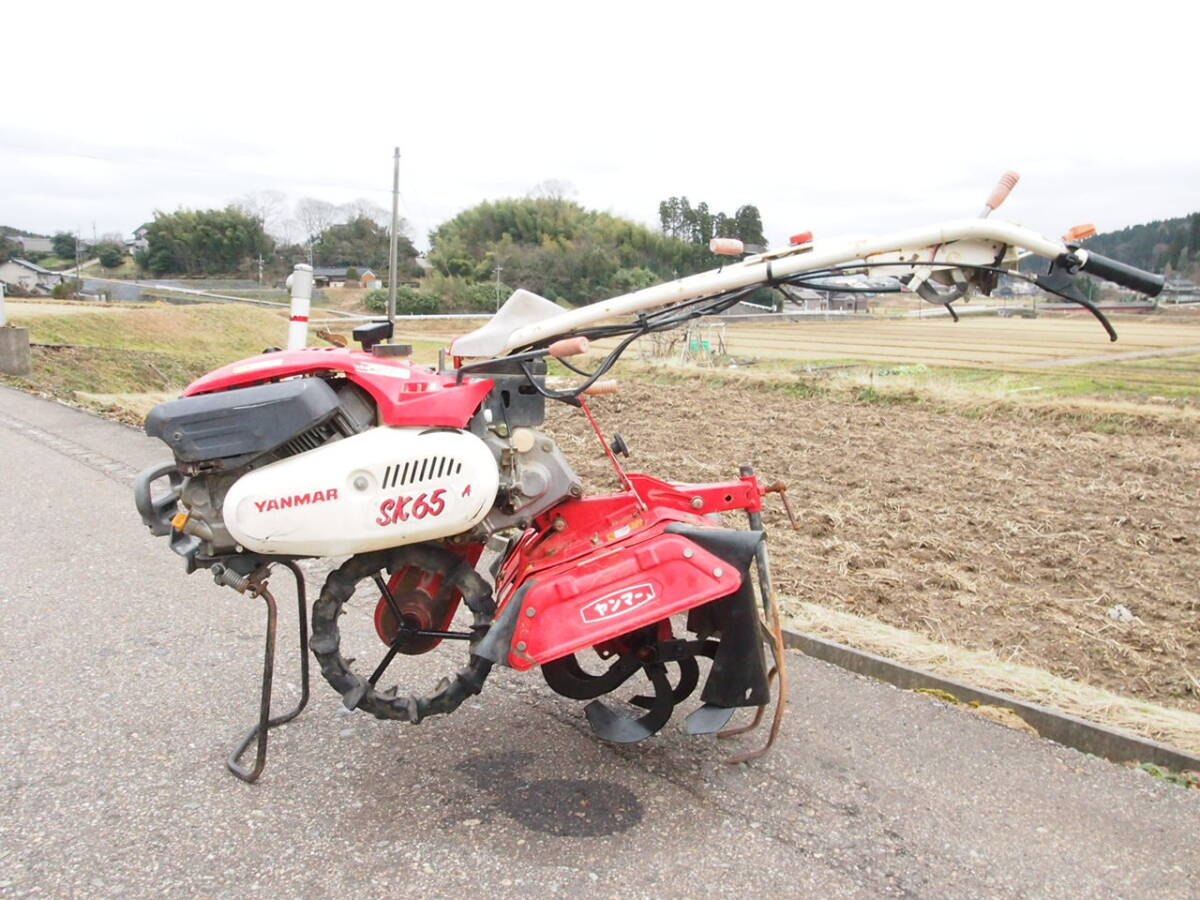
432	564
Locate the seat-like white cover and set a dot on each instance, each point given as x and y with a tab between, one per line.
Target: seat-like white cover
521	309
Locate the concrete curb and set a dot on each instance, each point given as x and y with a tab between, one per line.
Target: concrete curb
1088	737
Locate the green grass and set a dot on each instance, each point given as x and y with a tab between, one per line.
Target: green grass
1183	779
138	348
149	348
127	269
209	331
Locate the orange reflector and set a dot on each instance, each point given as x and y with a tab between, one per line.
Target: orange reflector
179	520
1079	232
804	237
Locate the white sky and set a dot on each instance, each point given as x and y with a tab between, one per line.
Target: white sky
844	119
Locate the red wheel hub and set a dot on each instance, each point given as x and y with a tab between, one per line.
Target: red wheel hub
415	592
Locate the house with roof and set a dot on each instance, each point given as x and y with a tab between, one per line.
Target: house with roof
31	243
29	277
138	241
335	277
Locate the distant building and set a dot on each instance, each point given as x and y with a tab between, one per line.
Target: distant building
28	276
138	241
335	277
32	244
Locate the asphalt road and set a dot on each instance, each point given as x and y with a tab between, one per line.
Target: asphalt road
125	682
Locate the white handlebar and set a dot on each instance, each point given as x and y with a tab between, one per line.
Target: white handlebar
761	269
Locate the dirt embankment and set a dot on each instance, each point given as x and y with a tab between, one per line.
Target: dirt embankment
1049	544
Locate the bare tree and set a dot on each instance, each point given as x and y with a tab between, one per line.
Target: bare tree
266	206
315	216
552	189
288	231
367	209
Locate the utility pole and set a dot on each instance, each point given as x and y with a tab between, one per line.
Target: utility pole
260	265
391	301
499	269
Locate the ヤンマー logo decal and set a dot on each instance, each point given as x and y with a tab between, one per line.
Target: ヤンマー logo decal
617	603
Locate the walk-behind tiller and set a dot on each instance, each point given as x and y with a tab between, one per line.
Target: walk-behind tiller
449	499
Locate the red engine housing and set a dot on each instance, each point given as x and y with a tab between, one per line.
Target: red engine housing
406	393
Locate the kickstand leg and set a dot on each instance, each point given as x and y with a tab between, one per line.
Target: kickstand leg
265	722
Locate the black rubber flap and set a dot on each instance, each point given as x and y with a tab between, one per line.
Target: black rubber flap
739	670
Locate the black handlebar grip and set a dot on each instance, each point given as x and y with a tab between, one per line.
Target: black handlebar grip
1127	276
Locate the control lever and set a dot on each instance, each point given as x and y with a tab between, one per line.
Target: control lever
1059	281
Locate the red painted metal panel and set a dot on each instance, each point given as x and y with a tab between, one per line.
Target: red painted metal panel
406	394
614	592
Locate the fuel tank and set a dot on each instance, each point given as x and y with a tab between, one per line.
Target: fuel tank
381	488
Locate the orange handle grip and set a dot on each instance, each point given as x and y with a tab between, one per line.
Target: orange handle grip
568	347
726	246
1003	187
608	386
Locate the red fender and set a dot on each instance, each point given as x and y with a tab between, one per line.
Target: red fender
406	394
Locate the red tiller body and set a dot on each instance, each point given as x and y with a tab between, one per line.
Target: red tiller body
603	566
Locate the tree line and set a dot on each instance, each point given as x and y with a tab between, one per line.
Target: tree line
544	242
555	247
1170	246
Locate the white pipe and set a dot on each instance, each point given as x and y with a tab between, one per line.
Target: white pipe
301	283
761	269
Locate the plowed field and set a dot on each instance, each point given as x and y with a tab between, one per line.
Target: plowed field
1018	534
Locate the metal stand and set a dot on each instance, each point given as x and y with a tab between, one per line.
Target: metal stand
265	722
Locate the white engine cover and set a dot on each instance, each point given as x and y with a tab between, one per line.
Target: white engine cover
381	488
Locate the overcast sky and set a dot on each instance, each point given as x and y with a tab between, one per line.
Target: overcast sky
842	120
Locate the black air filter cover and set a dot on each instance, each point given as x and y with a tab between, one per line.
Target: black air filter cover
238	425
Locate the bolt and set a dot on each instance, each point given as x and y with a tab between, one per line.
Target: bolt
502	430
360	483
697	503
576	489
688	553
520	645
560	524
531	612
547	447
718	572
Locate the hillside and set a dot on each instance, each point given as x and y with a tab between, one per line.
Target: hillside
9	231
559	249
1168	245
